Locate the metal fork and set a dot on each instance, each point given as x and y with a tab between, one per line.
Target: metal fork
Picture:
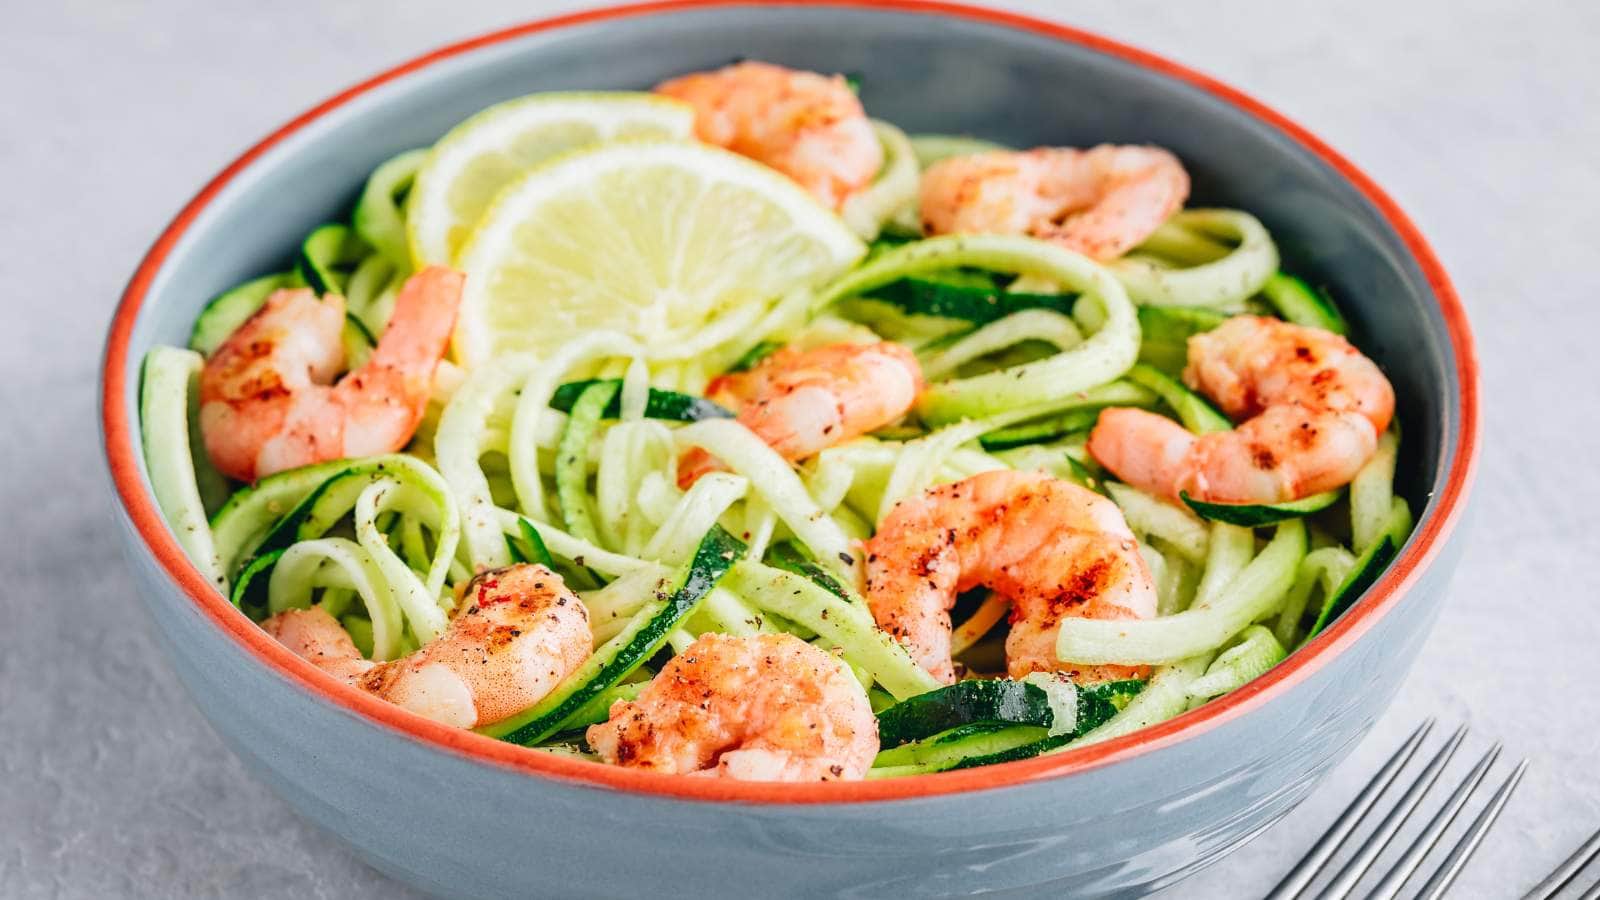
1586	853
1344	883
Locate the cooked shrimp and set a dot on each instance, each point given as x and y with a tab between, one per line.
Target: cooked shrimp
802	402
1100	202
266	398
808	126
518	635
319	639
1313	406
1053	548
769	707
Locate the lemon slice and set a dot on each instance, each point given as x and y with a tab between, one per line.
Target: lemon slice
652	239
470	164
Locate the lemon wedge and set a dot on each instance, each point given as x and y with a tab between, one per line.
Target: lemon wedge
476	159
650	239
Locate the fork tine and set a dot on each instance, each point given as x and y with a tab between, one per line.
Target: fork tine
1592	893
1429	838
1301	875
1564	873
1464	848
1345	881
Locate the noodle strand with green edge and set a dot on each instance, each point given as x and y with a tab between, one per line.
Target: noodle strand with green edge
918	463
533	403
1181	529
367	283
380	216
166	395
1328	566
895	188
572	458
1255	653
337	562
250	514
1027	325
631	648
1103	356
568	546
1372	493
629	453
418	599
1256	592
706	501
460	443
844	622
1164	696
771	476
228	310
1228	550
373	490
1220	284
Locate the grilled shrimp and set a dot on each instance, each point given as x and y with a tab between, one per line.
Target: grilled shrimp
1053	548
769	707
268	400
1313	407
802	402
808	126
519	633
1101	202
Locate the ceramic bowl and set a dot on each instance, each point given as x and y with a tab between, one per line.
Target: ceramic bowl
460	814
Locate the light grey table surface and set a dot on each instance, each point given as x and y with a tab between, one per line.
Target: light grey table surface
1482	119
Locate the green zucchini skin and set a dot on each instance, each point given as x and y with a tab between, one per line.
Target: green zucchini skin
328	255
965	702
529	548
987	741
785	555
232	308
1025	751
1301	304
967	294
669	406
326	258
254	510
992	701
1039	432
1254	515
1085	476
284	533
357	341
754	355
1096	705
1165	332
947	749
1099	702
572	453
1369	565
320	508
610	664
241	596
1195	411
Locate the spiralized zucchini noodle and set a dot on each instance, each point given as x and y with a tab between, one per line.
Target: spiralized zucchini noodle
572	458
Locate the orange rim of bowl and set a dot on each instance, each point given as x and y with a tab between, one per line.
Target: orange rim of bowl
146	518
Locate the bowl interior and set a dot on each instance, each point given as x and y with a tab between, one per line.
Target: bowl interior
953	73
925	74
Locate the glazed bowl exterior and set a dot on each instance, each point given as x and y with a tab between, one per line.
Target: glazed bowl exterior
458	814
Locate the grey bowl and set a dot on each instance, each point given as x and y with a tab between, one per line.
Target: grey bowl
462	815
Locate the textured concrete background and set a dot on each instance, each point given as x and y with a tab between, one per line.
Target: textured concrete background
1480	117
